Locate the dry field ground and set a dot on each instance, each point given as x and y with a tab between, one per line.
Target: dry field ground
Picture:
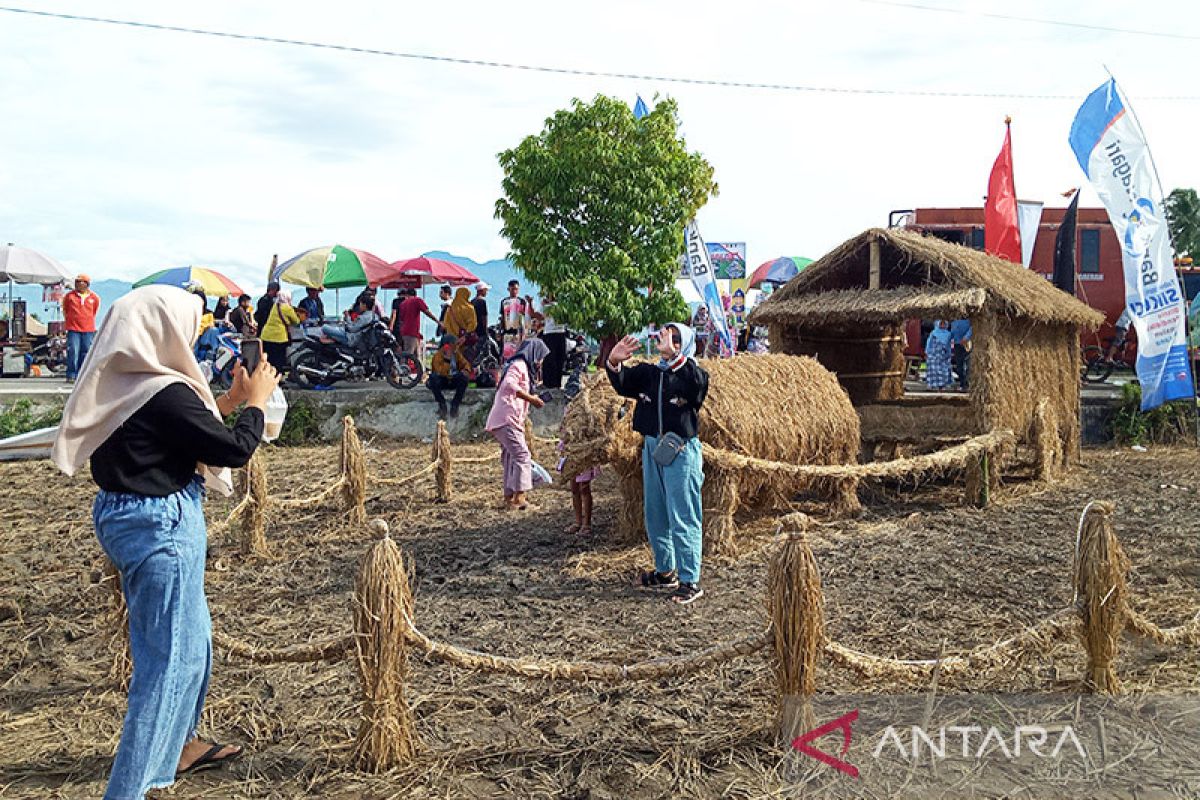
916	569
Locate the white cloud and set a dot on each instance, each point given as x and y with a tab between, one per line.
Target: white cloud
126	150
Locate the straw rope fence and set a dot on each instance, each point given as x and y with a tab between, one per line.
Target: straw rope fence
795	640
248	519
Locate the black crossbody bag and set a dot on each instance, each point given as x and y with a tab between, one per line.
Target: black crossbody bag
671	444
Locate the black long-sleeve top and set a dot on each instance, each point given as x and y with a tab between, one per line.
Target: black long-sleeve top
154	453
683	391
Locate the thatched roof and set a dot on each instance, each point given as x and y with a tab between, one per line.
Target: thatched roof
920	277
843	306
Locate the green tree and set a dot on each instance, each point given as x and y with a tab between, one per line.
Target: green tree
594	208
1183	220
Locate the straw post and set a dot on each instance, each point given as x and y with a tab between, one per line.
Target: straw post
253	514
118	626
382	601
354	473
796	608
982	479
1045	442
530	439
445	460
1101	594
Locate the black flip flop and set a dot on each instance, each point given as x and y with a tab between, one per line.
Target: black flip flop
209	760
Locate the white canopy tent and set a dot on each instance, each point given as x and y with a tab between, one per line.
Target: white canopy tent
22	265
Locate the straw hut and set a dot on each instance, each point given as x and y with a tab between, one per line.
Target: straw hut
849	309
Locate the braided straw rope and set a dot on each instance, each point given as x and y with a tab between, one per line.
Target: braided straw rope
1188	633
325	650
653	669
1058	626
477	459
315	500
401	481
955	457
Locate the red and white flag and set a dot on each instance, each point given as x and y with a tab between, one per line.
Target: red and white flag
1001	229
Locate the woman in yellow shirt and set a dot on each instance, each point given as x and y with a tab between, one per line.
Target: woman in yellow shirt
275	332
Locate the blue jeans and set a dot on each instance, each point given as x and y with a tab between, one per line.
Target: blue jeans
158	545
78	344
674	510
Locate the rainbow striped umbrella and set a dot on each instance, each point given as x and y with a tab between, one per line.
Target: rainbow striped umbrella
334	267
215	284
779	270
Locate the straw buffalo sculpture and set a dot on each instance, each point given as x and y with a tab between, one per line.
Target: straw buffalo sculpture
780	408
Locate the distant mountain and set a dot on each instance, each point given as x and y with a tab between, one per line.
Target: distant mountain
108	291
496	273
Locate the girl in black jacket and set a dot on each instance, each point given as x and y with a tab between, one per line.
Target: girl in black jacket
669	396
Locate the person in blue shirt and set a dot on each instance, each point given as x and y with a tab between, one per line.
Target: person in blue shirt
960	339
313	306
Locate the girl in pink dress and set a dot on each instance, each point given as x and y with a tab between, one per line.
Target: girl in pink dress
506	422
581	497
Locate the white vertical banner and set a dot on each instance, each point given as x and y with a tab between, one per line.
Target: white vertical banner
705	282
1116	159
1029	219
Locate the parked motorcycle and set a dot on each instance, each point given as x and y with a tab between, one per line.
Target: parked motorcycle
51	354
484	355
578	356
217	352
327	356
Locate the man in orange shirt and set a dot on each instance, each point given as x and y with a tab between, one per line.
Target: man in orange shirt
79	310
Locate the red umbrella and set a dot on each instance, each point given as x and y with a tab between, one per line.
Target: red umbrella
422	271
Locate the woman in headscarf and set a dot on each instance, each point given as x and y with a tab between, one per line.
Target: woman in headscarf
144	415
460	318
506	421
669	396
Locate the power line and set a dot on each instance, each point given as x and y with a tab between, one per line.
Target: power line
476	62
1040	21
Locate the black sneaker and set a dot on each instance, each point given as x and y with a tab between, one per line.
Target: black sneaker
687	593
657	581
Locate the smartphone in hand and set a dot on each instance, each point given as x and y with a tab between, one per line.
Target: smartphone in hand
251	354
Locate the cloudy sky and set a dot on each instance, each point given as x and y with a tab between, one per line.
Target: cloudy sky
126	150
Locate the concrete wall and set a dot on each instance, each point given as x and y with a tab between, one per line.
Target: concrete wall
411	413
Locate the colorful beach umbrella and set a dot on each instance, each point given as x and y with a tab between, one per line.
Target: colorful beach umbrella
779	270
334	267
422	271
215	284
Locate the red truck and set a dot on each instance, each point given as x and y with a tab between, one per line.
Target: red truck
1099	281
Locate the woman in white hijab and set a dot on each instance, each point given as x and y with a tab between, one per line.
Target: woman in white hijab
143	414
669	397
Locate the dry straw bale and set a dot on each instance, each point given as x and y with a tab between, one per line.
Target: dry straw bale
796	606
382	603
1101	594
780	408
354	473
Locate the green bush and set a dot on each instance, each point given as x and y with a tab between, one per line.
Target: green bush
1167	424
302	424
20	418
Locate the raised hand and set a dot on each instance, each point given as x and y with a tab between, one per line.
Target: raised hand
623	349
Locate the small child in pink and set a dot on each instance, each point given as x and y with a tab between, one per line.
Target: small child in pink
581	497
